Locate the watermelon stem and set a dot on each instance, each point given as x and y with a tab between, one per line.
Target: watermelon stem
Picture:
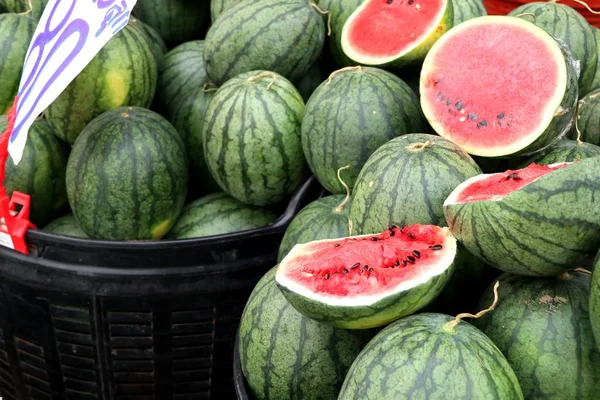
576	117
261	75
414	147
334	73
340	208
209	87
450	327
525	14
583	4
583	271
322	12
30	8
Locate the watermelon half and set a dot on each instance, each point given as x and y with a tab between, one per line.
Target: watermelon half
370	280
499	86
395	33
537	221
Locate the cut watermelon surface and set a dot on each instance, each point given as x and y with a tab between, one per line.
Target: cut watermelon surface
383	32
498	86
368	280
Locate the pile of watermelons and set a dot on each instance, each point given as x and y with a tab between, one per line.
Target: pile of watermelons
398	107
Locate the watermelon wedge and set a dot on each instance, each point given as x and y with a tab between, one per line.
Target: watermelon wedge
536	221
499	86
369	280
395	33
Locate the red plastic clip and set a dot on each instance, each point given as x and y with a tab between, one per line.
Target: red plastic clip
15	223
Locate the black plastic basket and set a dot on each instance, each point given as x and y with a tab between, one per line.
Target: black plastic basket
83	319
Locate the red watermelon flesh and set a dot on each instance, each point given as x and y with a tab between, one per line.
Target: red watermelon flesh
493	84
497	186
368	266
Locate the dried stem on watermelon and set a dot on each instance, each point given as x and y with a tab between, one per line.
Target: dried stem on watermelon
265	74
450	327
414	147
209	87
583	271
340	208
579	2
323	12
30	5
334	73
526	14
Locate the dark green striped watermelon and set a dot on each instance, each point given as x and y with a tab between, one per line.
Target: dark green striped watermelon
588	120
287	356
406	181
123	73
218	214
564	151
40	173
251	137
23	6
157	45
340	12
310	82
325	218
16	31
419	357
350	116
284	36
127	176
66	225
176	21
464	10
537	221
542	326
570	27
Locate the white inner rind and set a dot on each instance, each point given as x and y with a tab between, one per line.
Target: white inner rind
374	60
549	111
443	261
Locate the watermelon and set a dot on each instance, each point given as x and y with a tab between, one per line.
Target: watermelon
32	8
218	214
535	221
564	151
596	81
406	181
571	28
176	21
325	218
340	11
182	97
588	119
370	280
66	225
310	82
494	115
377	32
251	137
465	10
354	112
285	355
157	45
40	173
283	36
16	31
542	326
123	73
127	176
420	357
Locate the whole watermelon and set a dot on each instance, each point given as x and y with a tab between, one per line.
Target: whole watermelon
127	176
16	31
406	181
287	356
176	21
325	218
542	326
588	120
351	115
217	214
283	36
40	173
564	151
419	357
251	137
340	11
65	225
123	73
32	8
567	25
464	10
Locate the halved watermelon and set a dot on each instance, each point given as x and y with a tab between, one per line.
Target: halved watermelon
499	86
369	280
395	33
538	221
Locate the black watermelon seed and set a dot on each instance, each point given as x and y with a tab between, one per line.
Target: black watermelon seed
417	253
481	124
436	82
458	105
337	245
436	247
472	116
397	262
390	1
344	271
442	98
355	266
374	239
326	276
404	263
411	259
392	233
364	268
501	115
371	270
410	2
410	235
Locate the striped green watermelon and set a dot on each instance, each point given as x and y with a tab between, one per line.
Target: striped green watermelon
285	355
350	116
464	10
182	96
251	137
535	221
40	173
325	218
127	176
16	31
157	45
23	6
123	73
567	25
564	151
283	36
406	181
176	21
588	118
340	12
419	357
542	326
65	225
218	214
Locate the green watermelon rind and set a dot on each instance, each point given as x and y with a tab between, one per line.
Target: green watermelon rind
563	151
465	10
